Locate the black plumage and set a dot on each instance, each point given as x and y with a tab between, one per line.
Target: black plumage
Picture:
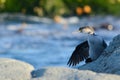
79	54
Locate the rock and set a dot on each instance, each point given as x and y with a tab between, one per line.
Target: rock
11	69
109	61
59	73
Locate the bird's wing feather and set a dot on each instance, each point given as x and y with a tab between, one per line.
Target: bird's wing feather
79	54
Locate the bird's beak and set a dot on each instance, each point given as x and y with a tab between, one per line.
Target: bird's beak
75	32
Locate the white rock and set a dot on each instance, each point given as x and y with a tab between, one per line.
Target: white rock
11	69
59	73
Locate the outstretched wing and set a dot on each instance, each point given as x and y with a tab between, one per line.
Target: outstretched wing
79	54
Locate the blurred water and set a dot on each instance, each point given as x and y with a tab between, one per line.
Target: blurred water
48	44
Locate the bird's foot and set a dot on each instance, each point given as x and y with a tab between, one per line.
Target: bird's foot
88	60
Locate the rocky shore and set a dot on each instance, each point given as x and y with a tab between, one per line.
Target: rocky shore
11	69
106	67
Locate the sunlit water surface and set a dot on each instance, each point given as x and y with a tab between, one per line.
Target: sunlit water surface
48	44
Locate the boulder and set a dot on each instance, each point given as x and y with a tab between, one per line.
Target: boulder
60	73
11	69
109	61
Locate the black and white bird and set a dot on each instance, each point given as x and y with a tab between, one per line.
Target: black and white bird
88	50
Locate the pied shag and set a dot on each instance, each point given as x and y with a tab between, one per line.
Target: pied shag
88	50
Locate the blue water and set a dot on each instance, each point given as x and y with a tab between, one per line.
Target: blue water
47	44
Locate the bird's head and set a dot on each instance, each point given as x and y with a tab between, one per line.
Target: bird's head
86	29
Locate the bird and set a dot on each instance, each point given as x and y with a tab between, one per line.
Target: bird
90	49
